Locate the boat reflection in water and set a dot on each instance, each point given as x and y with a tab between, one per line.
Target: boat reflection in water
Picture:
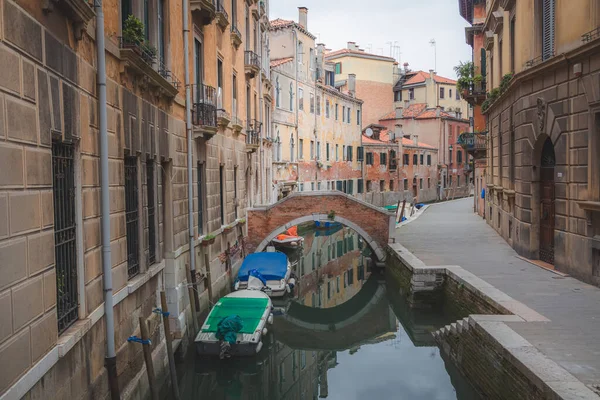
347	334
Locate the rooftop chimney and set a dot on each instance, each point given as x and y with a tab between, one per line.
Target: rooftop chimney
398	132
405	66
352	84
303	17
431	74
352	46
399	112
415	141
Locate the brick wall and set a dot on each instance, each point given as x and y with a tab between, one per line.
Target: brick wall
378	100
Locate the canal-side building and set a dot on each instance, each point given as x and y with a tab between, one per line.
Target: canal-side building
316	127
543	185
439	129
398	168
475	141
374	78
52	324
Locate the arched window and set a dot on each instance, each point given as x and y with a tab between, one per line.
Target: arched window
291	97
292	147
277	92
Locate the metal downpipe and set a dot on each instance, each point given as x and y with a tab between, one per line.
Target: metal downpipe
111	356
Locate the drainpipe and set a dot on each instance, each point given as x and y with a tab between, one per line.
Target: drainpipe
260	113
295	34
190	158
111	355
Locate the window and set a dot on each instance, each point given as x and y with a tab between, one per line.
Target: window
458	157
457	95
349	116
235	191
277	93
391	184
301	187
411	94
360	153
349	156
441	93
65	251
151	212
337	106
343	113
338	68
300	53
234	95
312	150
318	150
344	153
406	184
450	154
312	59
222	192
301	149
300	99
358	117
327	151
318	185
161	32
382	159
421	183
398	95
337	152
512	44
201	197
312	186
421	156
126	10
369	186
369	158
350	186
312	103
382	185
458	180
318	105
406	159
415	159
361	185
428	159
428	183
339	185
220	83
450	180
131	216
450	94
291	97
327	108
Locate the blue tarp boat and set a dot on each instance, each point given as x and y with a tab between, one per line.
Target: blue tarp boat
271	271
326	224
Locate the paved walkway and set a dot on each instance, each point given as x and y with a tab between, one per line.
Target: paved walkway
451	234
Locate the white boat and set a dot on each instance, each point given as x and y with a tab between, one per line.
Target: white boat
269	272
250	307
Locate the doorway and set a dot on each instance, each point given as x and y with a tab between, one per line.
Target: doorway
547	203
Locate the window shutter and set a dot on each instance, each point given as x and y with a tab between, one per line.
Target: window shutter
548	29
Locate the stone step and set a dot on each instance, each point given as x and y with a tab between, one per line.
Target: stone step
459	326
453	328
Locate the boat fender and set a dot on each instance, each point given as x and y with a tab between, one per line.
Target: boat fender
292	283
259	346
270	319
265	331
294	243
288	289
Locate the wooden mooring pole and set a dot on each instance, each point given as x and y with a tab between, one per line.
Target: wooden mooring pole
169	339
147	348
191	289
208	279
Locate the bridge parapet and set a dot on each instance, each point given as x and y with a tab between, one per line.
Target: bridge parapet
373	223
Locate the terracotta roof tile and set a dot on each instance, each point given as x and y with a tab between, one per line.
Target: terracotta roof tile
278	23
414	110
420	77
409	142
390	115
281	61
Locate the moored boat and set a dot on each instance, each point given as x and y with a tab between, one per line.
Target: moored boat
236	325
269	272
289	239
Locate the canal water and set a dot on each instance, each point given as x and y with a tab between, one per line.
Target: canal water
347	333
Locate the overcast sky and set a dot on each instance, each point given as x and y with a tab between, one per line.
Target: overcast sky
374	23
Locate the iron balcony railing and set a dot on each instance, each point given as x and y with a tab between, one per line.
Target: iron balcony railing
221	9
252	136
235	30
251	59
591	35
477	88
204	105
472	141
148	54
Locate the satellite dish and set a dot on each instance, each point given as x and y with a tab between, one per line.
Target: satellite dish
369	132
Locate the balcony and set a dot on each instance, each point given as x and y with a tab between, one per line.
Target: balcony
221	15
236	36
79	11
206	9
142	60
253	136
223	118
237	124
474	143
476	94
204	111
251	63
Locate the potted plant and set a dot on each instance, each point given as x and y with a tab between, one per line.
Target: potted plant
134	37
208	240
228	228
331	215
465	72
242	221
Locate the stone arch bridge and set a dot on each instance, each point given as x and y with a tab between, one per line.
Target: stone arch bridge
374	224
